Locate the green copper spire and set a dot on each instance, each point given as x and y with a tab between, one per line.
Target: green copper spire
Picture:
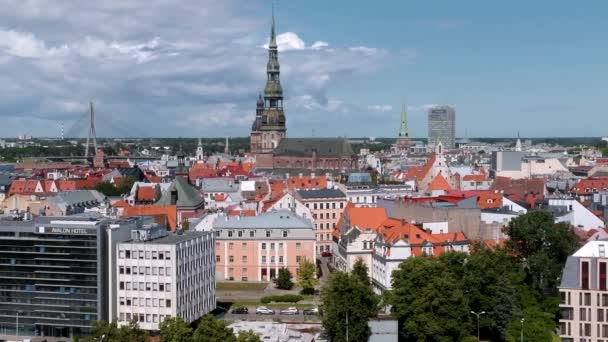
403	131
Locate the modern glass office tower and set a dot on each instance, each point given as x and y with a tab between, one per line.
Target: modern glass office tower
54	278
442	126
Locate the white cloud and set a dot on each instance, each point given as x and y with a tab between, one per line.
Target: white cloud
160	68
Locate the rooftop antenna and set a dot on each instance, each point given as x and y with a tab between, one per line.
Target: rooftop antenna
92	135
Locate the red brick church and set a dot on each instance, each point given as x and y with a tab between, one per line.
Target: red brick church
269	142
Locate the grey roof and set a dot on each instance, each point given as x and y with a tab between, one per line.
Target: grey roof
219	185
6	179
187	195
280	219
7	168
83	198
306	146
322	193
173	238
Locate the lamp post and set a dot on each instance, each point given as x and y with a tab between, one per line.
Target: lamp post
478	315
521	337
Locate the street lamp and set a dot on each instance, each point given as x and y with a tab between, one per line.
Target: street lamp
522	329
478	315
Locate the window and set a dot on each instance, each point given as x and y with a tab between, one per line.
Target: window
217	258
314	206
588	299
121	254
154	270
602	276
263	259
244	259
127	254
148	255
280	259
121	270
148	270
280	246
161	271
168	287
148	302
168	255
240	233
244	246
333	205
284	233
341	205
298	259
168	270
268	233
600	316
161	287
231	245
122	300
321	216
141	254
585	275
272	246
272	260
231	259
230	232
154	255
263	245
251	233
161	256
128	302
333	215
298	246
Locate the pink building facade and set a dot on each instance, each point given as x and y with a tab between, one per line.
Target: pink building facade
254	248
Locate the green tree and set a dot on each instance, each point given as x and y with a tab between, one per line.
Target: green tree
112	333
541	247
283	280
107	189
429	301
248	336
175	329
211	329
307	279
360	270
348	301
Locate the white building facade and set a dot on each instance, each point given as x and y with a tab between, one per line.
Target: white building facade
162	275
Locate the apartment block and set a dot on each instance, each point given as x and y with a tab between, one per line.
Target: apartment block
254	248
326	206
162	274
584	295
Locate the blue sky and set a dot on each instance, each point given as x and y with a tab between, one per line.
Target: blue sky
194	68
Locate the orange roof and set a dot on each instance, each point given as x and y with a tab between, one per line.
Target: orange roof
489	200
219	197
365	217
475	178
393	230
168	211
439	183
23	187
47	184
426	168
237	212
146	193
306	182
277	188
120	204
153	179
66	185
590	185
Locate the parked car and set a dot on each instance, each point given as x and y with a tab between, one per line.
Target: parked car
240	311
326	254
262	310
290	311
311	312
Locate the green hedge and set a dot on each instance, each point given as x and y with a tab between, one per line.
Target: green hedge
282	299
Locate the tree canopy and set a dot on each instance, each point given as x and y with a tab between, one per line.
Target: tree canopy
307	279
283	280
348	304
211	329
175	329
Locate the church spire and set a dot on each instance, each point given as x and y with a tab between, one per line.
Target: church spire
273	35
403	131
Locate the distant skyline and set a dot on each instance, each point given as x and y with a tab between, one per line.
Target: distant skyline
195	68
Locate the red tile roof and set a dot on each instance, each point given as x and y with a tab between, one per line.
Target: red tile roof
146	193
590	185
439	183
520	187
475	178
306	182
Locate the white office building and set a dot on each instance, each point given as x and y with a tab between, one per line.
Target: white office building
163	274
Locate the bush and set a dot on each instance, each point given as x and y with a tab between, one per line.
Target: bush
282	299
283	281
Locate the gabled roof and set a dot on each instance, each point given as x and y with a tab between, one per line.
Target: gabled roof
590	185
426	168
187	195
146	193
439	183
306	182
